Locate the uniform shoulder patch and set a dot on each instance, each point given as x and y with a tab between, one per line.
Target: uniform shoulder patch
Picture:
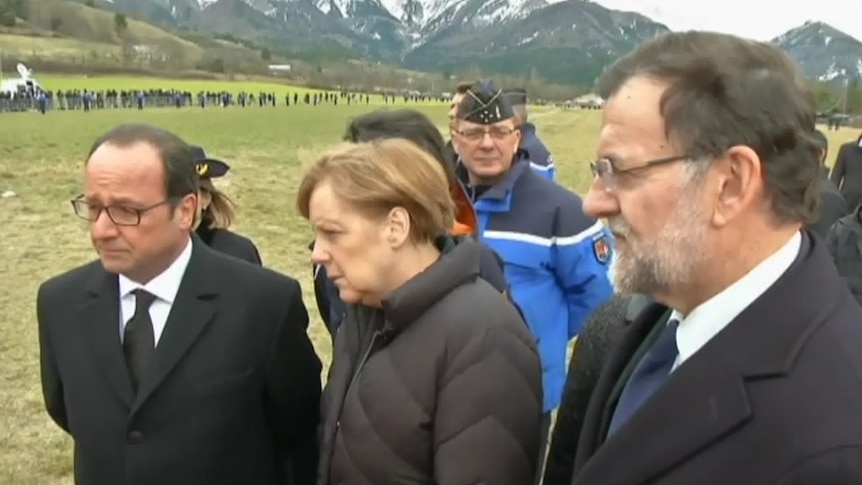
602	248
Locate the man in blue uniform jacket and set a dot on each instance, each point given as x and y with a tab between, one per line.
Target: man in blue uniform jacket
538	154
556	258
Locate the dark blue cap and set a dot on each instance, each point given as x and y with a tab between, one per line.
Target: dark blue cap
485	104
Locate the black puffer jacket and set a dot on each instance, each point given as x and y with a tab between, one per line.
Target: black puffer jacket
443	386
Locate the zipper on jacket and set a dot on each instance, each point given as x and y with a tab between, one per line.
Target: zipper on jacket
364	359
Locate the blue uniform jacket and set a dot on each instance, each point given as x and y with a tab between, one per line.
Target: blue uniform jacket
556	261
537	152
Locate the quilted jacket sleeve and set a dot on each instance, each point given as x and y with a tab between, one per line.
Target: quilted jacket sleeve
487	423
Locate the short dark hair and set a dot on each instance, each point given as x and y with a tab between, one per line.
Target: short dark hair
463	87
725	91
822	141
409	124
176	156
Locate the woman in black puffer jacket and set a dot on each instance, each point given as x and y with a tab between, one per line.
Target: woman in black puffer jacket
435	378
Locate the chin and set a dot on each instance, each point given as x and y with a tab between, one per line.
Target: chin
490	171
350	297
112	265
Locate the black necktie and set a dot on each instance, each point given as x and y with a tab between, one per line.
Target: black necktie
138	337
650	373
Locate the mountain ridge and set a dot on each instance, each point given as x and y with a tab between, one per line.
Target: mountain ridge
565	42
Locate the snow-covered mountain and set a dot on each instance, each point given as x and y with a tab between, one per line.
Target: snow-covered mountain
824	52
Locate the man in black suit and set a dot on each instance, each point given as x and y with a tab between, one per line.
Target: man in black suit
847	172
832	203
169	363
747	368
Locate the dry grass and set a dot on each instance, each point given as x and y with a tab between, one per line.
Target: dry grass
41	159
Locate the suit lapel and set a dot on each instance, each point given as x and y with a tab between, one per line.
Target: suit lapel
193	309
601	403
101	316
653	332
702	401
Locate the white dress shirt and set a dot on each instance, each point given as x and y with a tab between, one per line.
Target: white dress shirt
711	316
164	287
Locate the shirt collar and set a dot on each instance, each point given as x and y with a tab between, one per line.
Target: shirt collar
166	285
710	317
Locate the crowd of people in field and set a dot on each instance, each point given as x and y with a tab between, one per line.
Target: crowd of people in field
47	100
709	277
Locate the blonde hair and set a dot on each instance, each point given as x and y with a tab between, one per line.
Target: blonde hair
377	176
221	211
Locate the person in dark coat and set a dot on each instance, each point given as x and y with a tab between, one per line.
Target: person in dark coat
745	370
435	378
847	172
845	244
416	127
217	212
832	203
450	151
167	362
537	151
600	334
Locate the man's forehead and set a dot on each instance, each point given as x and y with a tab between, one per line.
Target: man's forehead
633	114
631	141
638	98
138	155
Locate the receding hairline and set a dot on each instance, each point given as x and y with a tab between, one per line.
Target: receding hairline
131	145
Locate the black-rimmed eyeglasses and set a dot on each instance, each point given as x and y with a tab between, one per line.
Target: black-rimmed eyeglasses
119	214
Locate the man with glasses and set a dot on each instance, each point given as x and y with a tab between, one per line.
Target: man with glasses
746	367
556	258
166	361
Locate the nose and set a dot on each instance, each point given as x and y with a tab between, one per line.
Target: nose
103	227
486	143
599	203
319	255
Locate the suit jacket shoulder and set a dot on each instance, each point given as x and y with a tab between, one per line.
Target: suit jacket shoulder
245	278
234	244
70	283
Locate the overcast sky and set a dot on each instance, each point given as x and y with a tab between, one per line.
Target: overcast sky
756	19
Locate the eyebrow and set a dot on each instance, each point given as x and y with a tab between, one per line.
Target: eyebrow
324	221
114	201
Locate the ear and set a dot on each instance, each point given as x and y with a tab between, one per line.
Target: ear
517	139
186	211
397	227
738	178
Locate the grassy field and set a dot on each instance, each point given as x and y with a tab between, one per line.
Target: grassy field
50	47
41	159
